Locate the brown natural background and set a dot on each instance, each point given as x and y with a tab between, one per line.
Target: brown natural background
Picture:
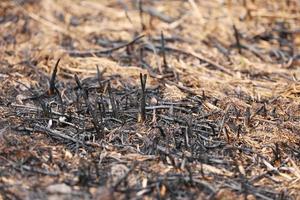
221	116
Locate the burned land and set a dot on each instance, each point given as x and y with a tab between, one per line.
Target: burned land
149	99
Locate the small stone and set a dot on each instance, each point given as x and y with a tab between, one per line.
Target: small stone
153	101
59	188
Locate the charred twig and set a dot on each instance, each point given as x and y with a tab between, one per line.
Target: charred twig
99	53
237	39
143	80
95	122
52	87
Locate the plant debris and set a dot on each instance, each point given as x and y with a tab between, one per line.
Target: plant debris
149	99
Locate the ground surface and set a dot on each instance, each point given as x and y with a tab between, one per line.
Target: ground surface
192	99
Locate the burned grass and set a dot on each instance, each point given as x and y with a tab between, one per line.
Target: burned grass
149	100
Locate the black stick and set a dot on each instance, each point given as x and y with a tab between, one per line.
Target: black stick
95	122
143	79
237	39
51	90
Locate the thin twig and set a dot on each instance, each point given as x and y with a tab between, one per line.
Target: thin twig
99	130
143	79
237	39
52	80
